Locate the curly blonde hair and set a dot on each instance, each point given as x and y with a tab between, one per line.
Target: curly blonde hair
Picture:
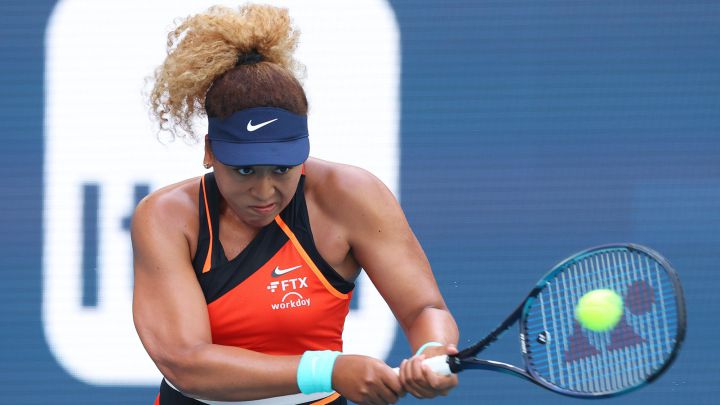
207	71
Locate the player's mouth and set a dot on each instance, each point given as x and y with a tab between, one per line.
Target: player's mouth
263	209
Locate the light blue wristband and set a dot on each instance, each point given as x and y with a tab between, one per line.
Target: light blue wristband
426	345
314	372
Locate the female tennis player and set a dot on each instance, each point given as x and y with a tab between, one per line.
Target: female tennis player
243	276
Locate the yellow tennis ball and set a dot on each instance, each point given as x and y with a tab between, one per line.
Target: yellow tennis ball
599	310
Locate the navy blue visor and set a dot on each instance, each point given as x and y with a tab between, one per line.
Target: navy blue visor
260	136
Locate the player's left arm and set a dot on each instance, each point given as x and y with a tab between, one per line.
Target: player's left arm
383	243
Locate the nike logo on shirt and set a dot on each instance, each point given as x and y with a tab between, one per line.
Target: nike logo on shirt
251	127
279	272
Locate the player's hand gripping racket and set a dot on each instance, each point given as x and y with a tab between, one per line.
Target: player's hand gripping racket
563	356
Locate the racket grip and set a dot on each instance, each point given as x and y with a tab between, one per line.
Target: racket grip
438	364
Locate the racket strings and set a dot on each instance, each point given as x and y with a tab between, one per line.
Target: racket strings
569	356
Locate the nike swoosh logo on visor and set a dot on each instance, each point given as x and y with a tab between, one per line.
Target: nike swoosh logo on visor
279	272
251	127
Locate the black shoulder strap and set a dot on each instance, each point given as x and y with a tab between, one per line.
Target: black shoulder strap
297	218
208	252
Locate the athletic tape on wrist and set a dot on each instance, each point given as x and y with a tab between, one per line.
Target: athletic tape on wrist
314	372
426	345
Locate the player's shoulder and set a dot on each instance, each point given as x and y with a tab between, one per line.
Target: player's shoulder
174	203
326	177
336	185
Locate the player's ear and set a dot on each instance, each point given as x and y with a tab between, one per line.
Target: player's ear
209	158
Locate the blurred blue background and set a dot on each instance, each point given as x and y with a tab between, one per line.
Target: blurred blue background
530	129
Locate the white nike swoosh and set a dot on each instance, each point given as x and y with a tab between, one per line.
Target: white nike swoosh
251	127
279	272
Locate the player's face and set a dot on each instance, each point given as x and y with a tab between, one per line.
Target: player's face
256	194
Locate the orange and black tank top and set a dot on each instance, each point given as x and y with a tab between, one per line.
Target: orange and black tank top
278	296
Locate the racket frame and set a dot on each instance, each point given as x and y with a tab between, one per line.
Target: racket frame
466	358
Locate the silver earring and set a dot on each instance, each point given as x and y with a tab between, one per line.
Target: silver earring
207	165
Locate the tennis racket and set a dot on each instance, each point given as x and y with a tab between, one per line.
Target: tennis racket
562	356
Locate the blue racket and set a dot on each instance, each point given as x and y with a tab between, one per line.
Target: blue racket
561	355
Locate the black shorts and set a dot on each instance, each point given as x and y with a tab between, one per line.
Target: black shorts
170	396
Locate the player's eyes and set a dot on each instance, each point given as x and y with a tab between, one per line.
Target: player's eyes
281	170
245	171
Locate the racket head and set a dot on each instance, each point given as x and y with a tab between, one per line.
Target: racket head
563	356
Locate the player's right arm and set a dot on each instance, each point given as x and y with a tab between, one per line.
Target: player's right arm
170	312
